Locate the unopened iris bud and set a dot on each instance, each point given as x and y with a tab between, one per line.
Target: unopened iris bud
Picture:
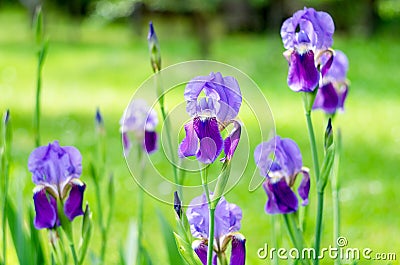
99	118
328	134
87	221
177	204
6	116
7	133
154	49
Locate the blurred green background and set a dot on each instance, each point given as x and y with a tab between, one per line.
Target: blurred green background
98	56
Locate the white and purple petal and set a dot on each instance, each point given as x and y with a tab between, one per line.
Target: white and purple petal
281	198
201	249
232	141
73	203
238	254
287	160
189	144
318	25
304	187
223	96
303	76
339	68
197	215
54	166
138	118
45	208
327	99
227	217
211	141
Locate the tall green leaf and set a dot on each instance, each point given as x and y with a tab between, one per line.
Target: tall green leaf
173	254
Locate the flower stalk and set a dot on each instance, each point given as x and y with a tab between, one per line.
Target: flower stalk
204	181
5	152
295	233
335	183
141	207
155	61
97	169
326	170
41	55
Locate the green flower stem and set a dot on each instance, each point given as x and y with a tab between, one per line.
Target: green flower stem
100	213
160	94
295	234
274	237
67	228
222	258
335	194
42	44
318	224
5	152
74	256
314	151
55	247
211	237
141	206
204	177
320	198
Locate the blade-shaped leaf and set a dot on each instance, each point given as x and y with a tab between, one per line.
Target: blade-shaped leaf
186	251
19	235
173	254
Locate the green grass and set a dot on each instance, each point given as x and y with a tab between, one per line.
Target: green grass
91	66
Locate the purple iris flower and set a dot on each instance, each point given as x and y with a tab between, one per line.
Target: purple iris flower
227	224
333	90
210	115
55	171
140	120
281	173
305	35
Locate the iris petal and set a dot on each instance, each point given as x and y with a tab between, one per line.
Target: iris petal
53	165
327	99
281	199
126	143
303	75
318	25
45	208
231	142
287	156
238	256
304	188
150	141
223	96
227	217
201	250
188	146
73	204
211	142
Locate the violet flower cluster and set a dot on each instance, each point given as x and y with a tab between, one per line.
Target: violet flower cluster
306	35
227	224
59	191
280	174
211	115
140	121
308	38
